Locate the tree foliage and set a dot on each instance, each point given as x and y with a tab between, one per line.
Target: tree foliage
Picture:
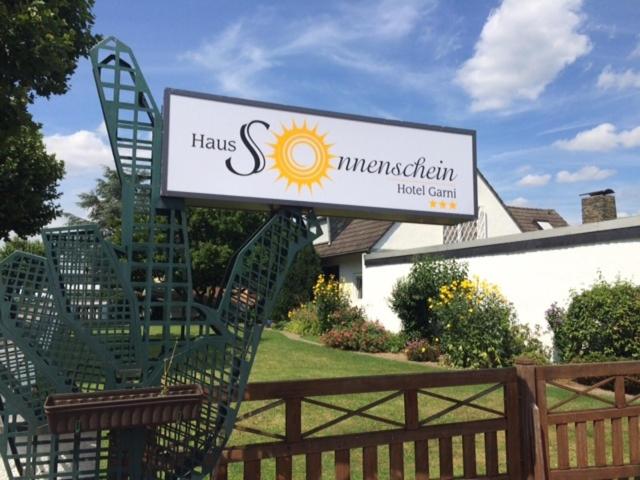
21	244
40	43
214	236
104	205
298	285
28	182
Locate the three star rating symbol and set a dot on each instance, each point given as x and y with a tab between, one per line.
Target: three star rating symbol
442	204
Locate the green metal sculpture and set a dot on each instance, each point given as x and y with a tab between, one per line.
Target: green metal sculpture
91	316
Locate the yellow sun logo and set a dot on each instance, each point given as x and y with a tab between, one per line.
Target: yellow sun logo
301	156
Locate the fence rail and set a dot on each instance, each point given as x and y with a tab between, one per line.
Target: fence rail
526	422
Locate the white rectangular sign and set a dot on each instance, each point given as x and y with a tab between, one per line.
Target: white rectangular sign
235	153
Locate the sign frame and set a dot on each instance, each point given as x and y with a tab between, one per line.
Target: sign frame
350	211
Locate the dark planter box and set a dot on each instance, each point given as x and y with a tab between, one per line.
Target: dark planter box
108	410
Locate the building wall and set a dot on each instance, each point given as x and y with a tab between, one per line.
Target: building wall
414	235
499	222
350	267
409	235
531	278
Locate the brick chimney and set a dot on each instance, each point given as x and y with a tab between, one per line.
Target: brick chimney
599	206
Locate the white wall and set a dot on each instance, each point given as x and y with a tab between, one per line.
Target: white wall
378	281
409	235
350	267
499	222
532	280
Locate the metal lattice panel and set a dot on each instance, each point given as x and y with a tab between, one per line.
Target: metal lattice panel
94	293
466	231
94	316
256	277
33	320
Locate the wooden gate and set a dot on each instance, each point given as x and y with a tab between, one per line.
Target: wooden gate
589	420
425	426
573	422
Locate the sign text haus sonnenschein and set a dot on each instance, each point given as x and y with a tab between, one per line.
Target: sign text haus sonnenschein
235	153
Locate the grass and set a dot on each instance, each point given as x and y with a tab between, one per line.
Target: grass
280	358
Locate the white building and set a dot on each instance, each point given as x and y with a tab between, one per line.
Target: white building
531	254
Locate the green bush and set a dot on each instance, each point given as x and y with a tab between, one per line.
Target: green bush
555	317
422	351
345	316
409	296
480	329
366	337
298	285
304	320
396	342
602	320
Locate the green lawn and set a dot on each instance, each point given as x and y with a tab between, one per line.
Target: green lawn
280	358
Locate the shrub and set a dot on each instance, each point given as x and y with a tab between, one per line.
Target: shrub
329	296
603	320
422	351
298	285
365	337
396	342
480	329
409	295
555	316
304	320
528	344
345	317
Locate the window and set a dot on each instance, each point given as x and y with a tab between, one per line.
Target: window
542	225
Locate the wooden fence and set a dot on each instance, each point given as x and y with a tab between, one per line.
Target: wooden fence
601	441
525	422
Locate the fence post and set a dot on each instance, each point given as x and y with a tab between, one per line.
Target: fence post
526	373
411	414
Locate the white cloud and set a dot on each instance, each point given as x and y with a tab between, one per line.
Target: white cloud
585	174
610	79
239	55
234	61
533	180
518	202
523	46
82	150
602	138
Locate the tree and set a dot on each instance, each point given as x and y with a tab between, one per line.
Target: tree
22	244
40	45
104	205
28	181
298	286
214	235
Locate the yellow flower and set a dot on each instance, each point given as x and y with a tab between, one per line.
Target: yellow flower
423	350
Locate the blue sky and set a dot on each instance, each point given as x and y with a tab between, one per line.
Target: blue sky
552	87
